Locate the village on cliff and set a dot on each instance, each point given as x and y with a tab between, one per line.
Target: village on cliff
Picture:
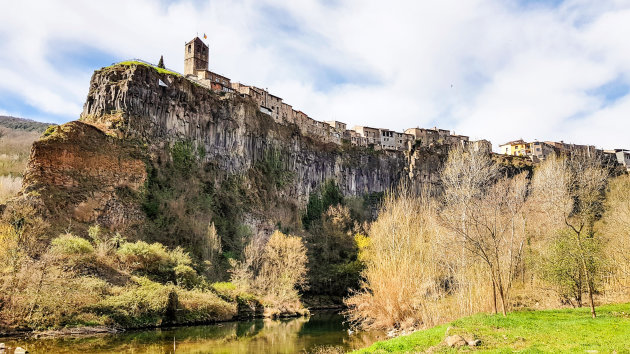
196	64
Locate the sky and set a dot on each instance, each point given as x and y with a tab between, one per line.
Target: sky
491	69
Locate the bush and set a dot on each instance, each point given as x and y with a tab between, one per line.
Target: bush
152	258
144	304
274	270
225	290
150	304
399	267
200	306
186	276
69	245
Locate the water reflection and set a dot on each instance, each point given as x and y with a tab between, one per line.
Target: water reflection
257	336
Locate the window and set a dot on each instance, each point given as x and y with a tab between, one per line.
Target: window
189	48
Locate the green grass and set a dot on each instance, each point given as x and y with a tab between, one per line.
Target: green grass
159	70
566	330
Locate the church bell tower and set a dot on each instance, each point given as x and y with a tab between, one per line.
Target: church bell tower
195	57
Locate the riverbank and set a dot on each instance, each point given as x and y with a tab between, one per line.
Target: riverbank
550	330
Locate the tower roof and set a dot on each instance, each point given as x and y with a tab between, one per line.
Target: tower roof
196	40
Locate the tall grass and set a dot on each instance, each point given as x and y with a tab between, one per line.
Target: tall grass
9	187
412	278
414	275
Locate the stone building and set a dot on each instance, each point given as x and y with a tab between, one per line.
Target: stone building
540	150
426	137
623	158
337	125
286	112
403	141
388	140
372	135
356	138
454	139
196	59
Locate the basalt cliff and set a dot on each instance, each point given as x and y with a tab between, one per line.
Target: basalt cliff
152	148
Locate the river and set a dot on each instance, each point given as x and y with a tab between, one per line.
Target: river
296	335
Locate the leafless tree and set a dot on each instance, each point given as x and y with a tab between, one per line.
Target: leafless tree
570	192
484	213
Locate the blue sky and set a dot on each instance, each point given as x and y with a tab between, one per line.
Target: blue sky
500	70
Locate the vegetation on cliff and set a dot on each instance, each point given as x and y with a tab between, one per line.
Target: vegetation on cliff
158	68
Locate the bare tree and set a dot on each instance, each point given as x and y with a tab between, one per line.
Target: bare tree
570	191
484	213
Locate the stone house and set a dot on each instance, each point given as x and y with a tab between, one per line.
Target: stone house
286	112
337	125
356	138
567	148
456	139
403	141
540	150
442	134
372	135
425	136
388	140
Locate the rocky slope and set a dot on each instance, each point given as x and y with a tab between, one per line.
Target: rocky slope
95	170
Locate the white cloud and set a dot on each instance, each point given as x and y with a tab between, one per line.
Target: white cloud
487	68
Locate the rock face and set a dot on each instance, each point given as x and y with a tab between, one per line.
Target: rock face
233	133
79	171
96	167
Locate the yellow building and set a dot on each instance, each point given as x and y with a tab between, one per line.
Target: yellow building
515	148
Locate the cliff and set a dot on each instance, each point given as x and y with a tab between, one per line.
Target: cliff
109	167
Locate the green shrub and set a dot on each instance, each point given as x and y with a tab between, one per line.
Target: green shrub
69	244
186	276
149	304
180	257
184	159
156	259
226	290
152	258
146	304
202	306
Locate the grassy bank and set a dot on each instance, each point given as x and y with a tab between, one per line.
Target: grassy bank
531	331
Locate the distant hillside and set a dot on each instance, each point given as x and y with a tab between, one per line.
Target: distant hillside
23	124
16	137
